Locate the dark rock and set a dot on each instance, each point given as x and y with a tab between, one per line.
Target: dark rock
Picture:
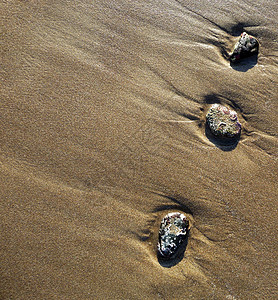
173	232
246	46
223	122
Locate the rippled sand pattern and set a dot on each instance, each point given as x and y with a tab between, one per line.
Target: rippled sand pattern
102	114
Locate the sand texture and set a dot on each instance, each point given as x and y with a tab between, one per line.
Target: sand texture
102	133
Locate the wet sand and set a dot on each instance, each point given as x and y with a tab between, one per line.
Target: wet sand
102	134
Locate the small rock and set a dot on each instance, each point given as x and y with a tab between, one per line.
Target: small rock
246	46
223	122
173	231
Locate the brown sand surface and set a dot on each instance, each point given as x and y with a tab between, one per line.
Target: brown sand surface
102	133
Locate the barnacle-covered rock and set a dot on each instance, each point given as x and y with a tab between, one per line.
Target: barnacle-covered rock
173	232
246	46
223	122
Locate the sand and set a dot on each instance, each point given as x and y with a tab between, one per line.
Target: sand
102	134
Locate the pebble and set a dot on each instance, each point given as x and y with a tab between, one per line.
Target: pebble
246	46
173	231
223	122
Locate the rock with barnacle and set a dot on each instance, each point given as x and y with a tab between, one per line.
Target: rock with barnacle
223	122
173	232
246	46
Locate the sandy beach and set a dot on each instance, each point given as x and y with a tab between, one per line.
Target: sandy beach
102	113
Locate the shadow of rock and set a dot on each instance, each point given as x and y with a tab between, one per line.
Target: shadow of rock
171	262
225	144
245	64
237	29
212	98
